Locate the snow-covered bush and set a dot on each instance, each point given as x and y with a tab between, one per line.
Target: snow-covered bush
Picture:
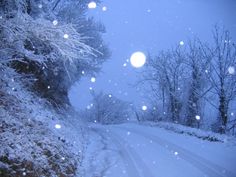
39	38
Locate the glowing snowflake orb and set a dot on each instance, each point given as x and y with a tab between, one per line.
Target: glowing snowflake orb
110	96
66	36
24	174
144	108
55	22
57	126
93	79
104	8
138	59
83	72
232	114
92	5
40	6
90	88
149	10
181	43
125	64
197	117
176	153
231	70
128	133
49	87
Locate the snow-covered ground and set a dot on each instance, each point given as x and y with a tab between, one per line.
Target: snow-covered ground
134	150
35	140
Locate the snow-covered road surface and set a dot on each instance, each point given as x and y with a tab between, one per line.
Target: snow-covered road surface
142	151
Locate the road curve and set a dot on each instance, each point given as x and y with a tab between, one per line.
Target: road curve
136	160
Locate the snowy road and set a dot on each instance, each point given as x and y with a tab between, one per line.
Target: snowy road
141	151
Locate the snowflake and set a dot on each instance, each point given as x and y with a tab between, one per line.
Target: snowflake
110	96
144	108
231	70
92	5
197	117
83	72
66	36
40	6
57	126
128	133
104	8
138	59
55	22
93	79
181	43
176	153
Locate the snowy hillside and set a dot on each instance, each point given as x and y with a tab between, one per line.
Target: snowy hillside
35	141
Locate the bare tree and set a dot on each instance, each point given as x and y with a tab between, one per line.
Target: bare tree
107	109
165	74
222	77
197	86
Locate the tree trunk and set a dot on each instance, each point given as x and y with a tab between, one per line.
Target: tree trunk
223	112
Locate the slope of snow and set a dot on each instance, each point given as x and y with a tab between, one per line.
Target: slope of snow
30	143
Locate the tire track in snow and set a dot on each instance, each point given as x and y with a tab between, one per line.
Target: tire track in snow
206	166
135	166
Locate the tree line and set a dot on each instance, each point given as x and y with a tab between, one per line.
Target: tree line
188	80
